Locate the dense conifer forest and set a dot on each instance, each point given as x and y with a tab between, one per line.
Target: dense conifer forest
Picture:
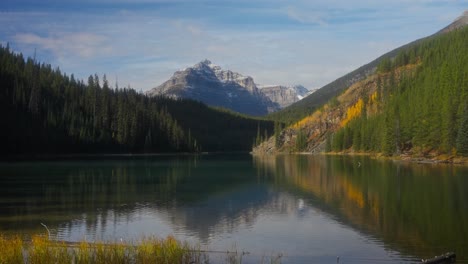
46	111
423	111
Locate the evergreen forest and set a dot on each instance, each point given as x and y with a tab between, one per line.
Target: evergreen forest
45	111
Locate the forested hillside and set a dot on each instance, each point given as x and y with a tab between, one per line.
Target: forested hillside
308	105
311	103
416	103
46	111
422	112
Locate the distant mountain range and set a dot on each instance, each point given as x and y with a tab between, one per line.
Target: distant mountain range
210	84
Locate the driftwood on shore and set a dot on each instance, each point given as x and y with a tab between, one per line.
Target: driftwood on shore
449	257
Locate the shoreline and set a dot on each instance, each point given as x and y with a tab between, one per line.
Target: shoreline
439	159
405	157
436	159
85	156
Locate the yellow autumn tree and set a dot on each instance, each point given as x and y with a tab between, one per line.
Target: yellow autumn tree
352	112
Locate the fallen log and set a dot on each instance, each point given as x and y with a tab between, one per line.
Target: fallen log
449	257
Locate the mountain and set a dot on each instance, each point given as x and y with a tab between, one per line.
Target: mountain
411	102
208	83
303	92
284	95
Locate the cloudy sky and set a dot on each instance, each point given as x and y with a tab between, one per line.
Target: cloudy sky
142	42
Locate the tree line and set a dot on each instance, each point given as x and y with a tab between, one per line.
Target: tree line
46	111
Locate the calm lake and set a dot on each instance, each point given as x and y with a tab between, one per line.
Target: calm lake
306	208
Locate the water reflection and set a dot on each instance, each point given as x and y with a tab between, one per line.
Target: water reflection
94	195
32	193
421	210
308	207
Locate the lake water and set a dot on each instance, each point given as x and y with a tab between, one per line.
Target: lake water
306	209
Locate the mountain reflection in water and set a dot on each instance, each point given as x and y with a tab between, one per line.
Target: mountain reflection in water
309	208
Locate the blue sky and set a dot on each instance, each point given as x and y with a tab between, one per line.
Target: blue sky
142	42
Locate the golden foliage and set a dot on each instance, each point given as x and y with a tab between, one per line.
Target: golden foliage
373	98
11	250
353	112
308	120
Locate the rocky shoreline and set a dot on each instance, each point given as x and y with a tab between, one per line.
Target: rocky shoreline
436	159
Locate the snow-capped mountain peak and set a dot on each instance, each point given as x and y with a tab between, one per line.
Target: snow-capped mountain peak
209	83
212	71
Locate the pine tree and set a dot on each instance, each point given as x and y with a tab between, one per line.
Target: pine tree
148	141
337	140
462	137
385	65
389	142
35	95
277	131
328	144
258	138
301	140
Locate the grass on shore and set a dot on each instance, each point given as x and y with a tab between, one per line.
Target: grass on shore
41	250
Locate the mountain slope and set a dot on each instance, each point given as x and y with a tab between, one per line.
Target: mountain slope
460	22
415	104
309	104
208	83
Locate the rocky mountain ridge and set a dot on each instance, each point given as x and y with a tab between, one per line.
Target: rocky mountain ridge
285	95
210	84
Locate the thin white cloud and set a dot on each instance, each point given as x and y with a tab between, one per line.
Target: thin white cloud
79	44
305	17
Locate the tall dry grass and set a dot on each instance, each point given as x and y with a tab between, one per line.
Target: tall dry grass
41	250
11	250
